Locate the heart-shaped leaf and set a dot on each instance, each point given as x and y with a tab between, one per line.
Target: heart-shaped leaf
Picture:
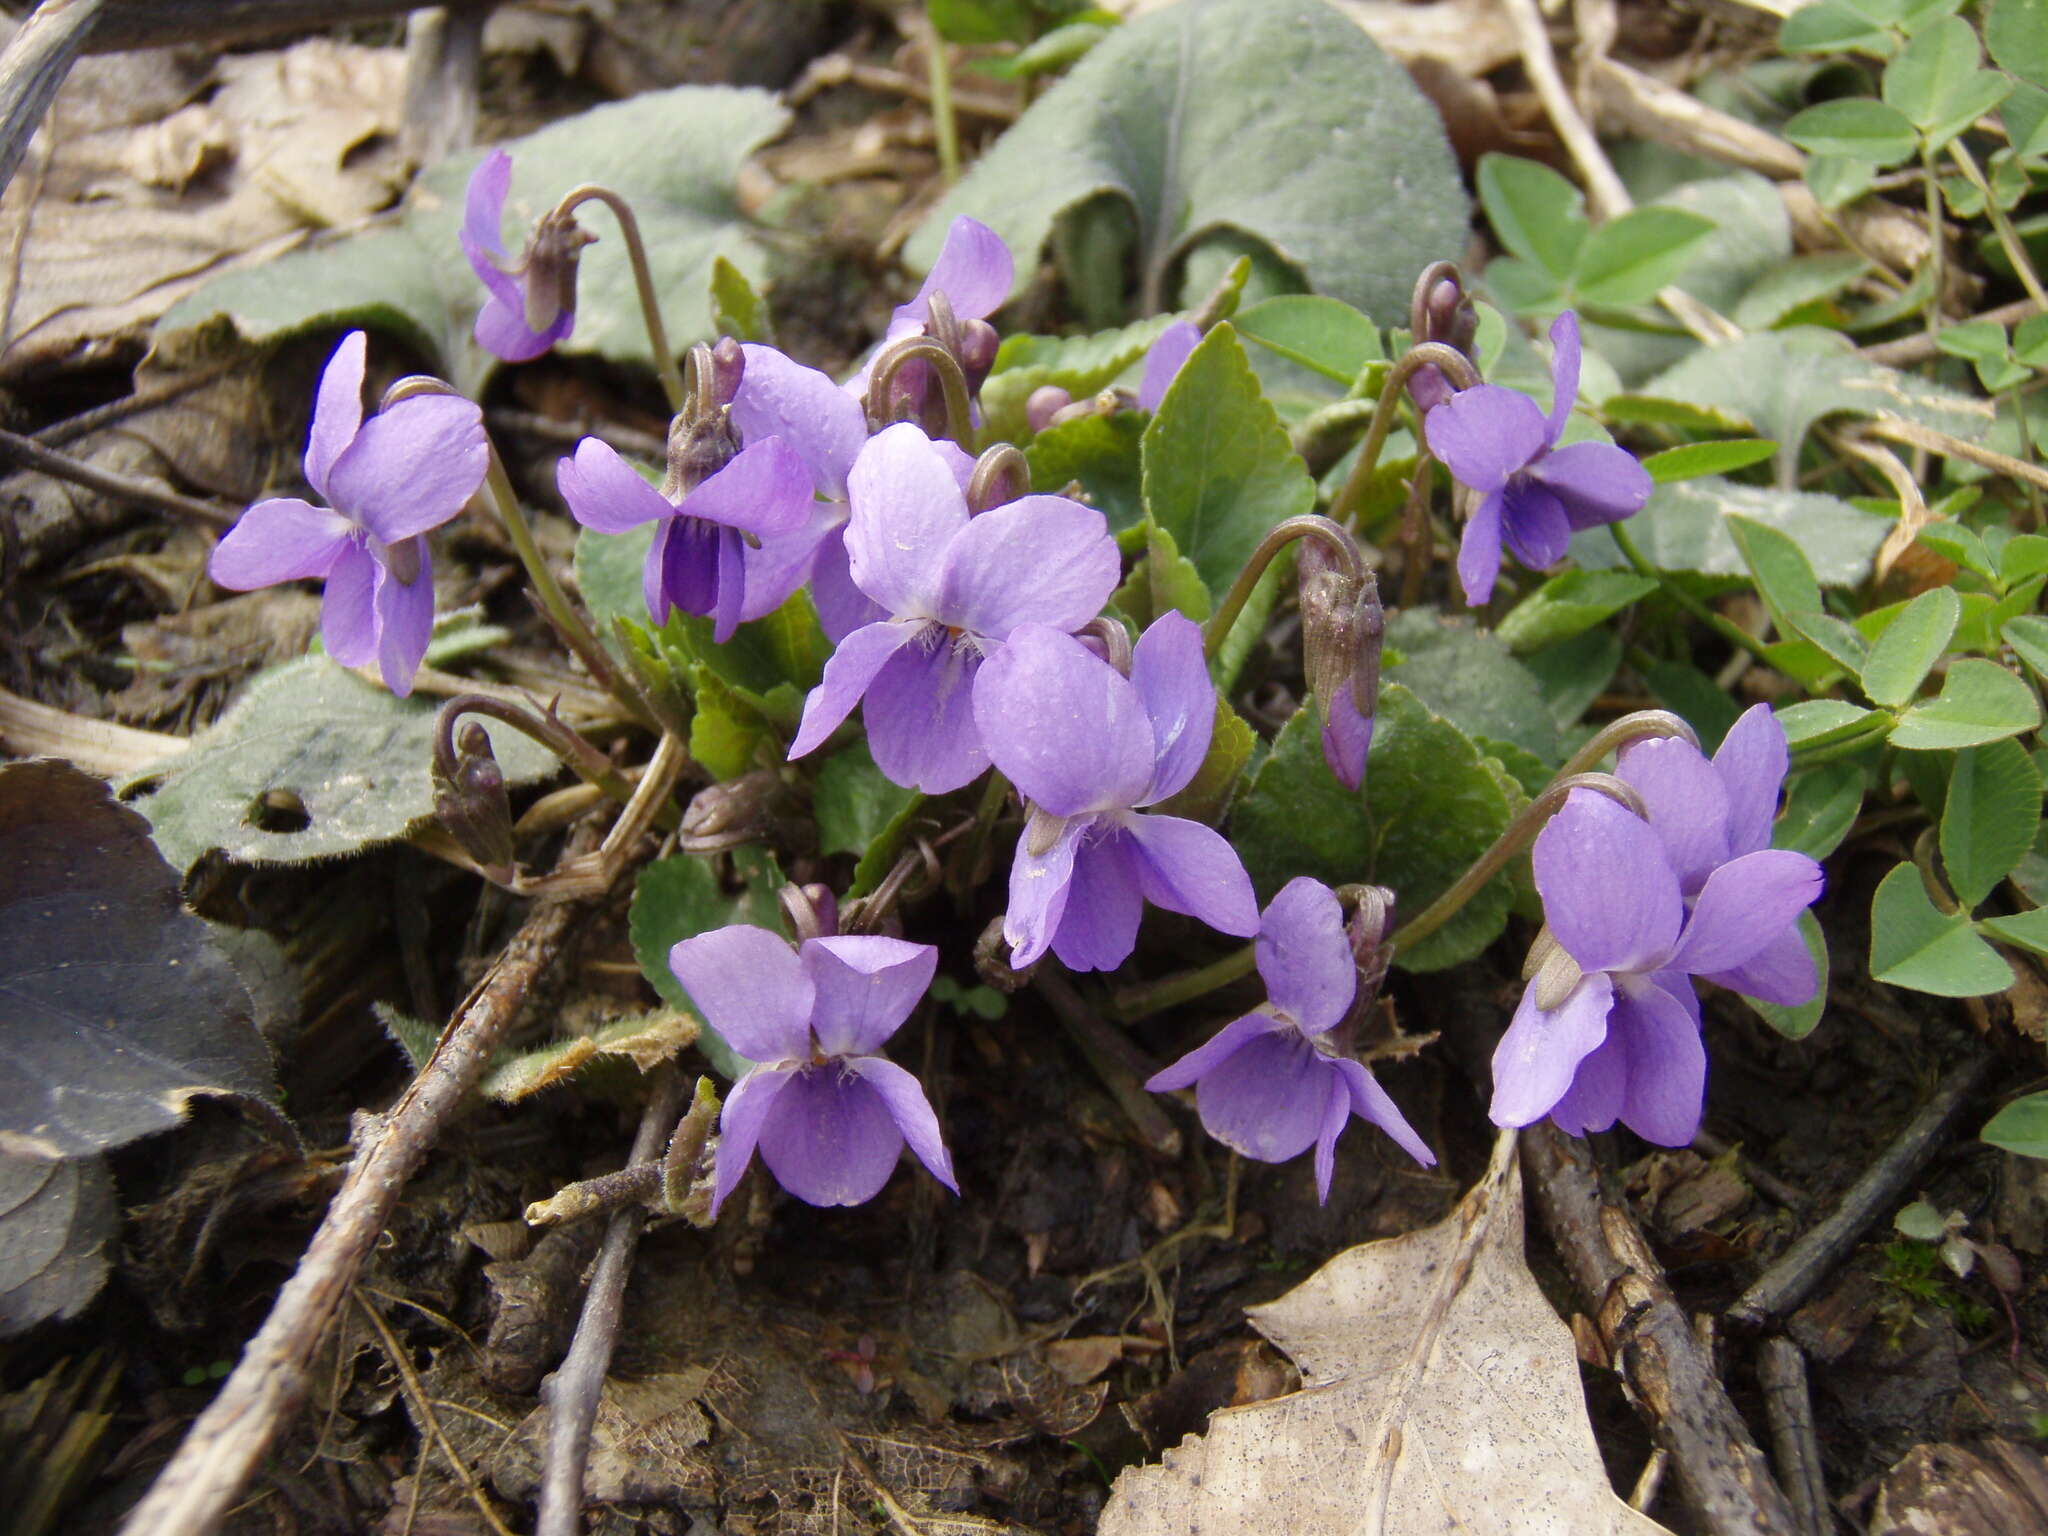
1912	944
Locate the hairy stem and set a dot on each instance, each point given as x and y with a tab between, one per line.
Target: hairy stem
1425	354
643	280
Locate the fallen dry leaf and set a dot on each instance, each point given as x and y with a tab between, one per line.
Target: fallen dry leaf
140	184
1444	1395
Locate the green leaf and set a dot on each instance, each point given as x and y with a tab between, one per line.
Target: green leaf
1797	1022
1815	723
1689	461
1990	818
1838	179
678	898
1163	580
1839	641
353	759
1978	340
2017	35
1826	27
1931	69
1686	527
1980	701
980	21
1914	945
1099	451
736	309
1466	675
1791	286
414	278
2022	1126
1277	119
1573	673
1784	381
1628	259
1821	805
1218	468
1081	365
1910	646
1049	55
1326	335
854	803
1430	807
1569	604
1854	128
1695	697
2028	637
1537	214
1952	541
2024	930
1658	411
1783	578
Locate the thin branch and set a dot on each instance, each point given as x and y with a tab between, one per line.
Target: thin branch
226	1442
1807	1262
571	1394
30	454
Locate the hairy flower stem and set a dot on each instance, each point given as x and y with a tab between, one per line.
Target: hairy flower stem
1733	633
1516	836
1131	1004
1343	552
1455	365
1642	725
952	380
643	279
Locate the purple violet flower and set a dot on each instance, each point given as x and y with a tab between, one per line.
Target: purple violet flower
532	303
1164	359
954	588
781	398
387	481
827	1111
1089	748
974	271
1536	495
698	559
1609	1027
1267	1084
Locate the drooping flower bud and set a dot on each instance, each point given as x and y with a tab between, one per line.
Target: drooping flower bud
977	351
547	271
1342	627
732	814
471	802
702	439
1442	311
1045	403
1368	927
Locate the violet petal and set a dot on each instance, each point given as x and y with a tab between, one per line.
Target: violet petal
1598	483
1305	956
1564	372
1781	972
751	988
739	1126
779	397
1745	904
829	1138
1533	525
412	467
283	539
1484	435
1065	727
1163	361
764	490
1267	1099
1687	802
974	271
1172	679
1536	1059
604	492
907	510
348	612
1667	1063
904	1097
1184	866
1479	551
1369	1101
1212	1053
920	715
1751	762
337	409
1039	559
1608	893
405	623
865	988
1039	885
1099	928
848	673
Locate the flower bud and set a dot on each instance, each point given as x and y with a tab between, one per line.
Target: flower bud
1342	627
1368	928
1044	403
701	437
812	910
547	271
1443	312
742	810
977	351
470	801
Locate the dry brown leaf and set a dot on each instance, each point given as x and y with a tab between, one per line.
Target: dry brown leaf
1445	1396
135	190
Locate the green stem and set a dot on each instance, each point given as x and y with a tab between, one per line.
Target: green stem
1424	354
1134	1003
553	600
1871	731
2008	237
1733	633
1516	836
945	128
1642	725
1343	551
643	279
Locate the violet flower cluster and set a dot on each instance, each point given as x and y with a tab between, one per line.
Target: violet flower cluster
967	629
1609	1025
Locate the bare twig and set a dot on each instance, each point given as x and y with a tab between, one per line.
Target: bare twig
29	729
1920	346
1900	430
126	24
1116	1061
30	454
571	1393
1807	1262
1781	1367
193	1492
1721	1471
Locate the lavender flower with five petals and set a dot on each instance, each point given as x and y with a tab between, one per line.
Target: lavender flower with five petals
954	588
828	1113
717	500
1609	1027
1267	1084
531	303
1090	748
386	481
1535	495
